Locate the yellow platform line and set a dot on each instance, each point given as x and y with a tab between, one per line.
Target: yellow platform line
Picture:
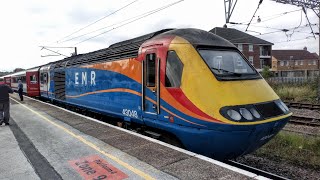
93	146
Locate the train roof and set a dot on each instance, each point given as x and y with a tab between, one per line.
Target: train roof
130	48
198	37
123	49
18	73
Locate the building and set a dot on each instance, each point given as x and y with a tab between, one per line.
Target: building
256	50
288	60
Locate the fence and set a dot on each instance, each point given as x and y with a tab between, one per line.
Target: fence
297	73
293	80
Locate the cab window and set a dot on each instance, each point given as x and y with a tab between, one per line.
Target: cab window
43	78
228	64
174	69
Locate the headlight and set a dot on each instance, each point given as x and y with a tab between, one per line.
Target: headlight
280	105
284	105
234	114
246	114
255	113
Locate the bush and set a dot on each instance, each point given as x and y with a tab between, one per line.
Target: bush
306	92
266	73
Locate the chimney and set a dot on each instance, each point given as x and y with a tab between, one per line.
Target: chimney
305	48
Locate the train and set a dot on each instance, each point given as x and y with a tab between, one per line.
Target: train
187	85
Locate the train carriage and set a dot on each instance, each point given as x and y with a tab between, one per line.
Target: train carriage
7	80
32	82
2	80
29	79
16	77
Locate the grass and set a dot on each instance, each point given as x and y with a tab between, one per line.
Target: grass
293	148
306	92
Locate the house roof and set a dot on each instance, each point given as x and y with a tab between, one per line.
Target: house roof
236	36
315	54
296	55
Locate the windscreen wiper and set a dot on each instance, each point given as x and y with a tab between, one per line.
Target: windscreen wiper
229	72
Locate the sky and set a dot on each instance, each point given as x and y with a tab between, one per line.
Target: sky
28	25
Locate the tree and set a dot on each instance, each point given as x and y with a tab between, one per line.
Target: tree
18	70
266	73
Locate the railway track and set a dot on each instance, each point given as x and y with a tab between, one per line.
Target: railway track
303	105
255	170
309	121
301	132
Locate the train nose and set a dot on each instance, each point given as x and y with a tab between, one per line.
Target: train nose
262	133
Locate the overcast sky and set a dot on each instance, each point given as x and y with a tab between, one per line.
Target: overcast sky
26	25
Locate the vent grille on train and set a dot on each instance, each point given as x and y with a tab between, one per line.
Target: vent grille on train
60	85
269	109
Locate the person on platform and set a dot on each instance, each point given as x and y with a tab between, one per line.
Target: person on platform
4	104
20	90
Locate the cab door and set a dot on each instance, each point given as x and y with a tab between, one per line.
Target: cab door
151	85
44	84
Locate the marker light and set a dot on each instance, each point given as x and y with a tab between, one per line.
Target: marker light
255	113
280	105
234	114
284	105
246	114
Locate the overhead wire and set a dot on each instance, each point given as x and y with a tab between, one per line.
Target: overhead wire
308	37
150	13
290	35
260	2
277	31
123	7
120	22
275	16
305	12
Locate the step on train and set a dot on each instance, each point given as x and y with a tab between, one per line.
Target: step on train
188	84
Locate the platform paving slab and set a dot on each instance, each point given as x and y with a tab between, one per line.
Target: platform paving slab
13	165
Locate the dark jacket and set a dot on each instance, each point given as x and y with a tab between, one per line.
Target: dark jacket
20	87
4	93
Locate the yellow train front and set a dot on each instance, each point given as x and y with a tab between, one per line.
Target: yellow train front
200	88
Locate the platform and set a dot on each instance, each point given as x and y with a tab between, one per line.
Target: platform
48	142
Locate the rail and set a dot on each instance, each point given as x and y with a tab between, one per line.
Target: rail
254	170
309	121
303	105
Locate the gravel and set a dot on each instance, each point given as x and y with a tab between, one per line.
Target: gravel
302	129
280	168
306	113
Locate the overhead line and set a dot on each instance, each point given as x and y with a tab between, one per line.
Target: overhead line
256	35
112	25
260	2
98	20
295	39
289	35
154	11
276	16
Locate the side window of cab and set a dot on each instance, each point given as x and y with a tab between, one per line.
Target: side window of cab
174	68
